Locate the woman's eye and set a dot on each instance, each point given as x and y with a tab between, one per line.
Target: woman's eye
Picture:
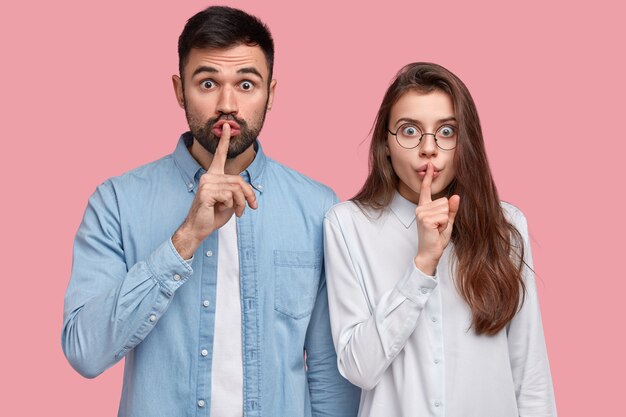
208	84
446	131
246	85
410	131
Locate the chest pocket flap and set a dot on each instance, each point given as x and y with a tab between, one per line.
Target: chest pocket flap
297	277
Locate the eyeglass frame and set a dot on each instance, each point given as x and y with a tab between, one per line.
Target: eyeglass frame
434	135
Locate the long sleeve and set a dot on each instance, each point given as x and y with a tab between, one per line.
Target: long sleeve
527	348
111	306
331	394
368	337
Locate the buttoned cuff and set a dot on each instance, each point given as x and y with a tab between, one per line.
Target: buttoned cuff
417	286
168	268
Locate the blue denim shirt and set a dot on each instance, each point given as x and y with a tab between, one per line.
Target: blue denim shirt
132	296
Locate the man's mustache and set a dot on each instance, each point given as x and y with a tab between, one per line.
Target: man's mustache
242	123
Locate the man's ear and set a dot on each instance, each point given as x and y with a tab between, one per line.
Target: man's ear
178	90
270	99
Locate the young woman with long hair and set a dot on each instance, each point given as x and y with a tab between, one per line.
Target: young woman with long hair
431	290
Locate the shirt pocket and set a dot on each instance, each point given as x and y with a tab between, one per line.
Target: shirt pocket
297	277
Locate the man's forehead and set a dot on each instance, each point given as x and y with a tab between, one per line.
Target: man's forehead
228	59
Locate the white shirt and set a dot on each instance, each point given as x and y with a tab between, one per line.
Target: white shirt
405	337
227	367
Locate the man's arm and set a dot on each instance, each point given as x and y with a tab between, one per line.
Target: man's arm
331	394
109	309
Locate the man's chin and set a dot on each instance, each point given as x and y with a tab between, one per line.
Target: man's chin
238	145
237	148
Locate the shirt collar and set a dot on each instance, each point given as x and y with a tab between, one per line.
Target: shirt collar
254	173
186	164
403	209
190	169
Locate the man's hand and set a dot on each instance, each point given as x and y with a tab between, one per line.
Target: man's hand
219	196
435	220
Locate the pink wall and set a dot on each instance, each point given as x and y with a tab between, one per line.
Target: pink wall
86	94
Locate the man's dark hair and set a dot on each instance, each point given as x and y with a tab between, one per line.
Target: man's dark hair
224	27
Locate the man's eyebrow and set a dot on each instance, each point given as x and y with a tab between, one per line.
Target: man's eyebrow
250	70
213	70
204	68
417	122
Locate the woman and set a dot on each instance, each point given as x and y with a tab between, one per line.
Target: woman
432	296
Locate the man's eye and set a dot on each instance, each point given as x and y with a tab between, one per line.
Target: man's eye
208	84
246	85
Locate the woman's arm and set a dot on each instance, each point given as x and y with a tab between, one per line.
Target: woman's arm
527	347
368	337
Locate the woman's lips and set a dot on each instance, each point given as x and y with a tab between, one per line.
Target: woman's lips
422	174
421	171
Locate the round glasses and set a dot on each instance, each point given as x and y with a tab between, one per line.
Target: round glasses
409	136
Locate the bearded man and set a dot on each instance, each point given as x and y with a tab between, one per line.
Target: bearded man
204	269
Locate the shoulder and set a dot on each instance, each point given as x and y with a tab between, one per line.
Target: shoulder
514	216
297	178
517	219
141	179
151	172
300	186
344	211
350	214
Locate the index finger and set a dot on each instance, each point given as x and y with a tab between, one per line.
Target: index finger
221	153
425	193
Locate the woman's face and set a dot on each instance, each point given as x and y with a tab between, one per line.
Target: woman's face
429	113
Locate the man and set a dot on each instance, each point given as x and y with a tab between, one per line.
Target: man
204	269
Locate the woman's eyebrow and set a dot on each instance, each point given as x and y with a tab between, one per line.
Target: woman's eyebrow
417	122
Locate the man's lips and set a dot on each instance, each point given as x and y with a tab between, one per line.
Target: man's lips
233	124
217	127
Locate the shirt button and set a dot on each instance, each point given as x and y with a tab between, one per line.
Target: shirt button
190	186
434	319
201	403
176	277
152	317
436	361
437	403
206	303
209	253
259	186
424	290
204	352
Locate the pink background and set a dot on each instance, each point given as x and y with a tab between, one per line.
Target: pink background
86	94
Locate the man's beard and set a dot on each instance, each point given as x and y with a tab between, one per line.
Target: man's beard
238	143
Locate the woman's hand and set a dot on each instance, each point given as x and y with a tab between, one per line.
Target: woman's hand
435	220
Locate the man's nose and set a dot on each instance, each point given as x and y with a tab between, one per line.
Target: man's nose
428	145
227	101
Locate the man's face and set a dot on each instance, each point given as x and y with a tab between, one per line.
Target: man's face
225	86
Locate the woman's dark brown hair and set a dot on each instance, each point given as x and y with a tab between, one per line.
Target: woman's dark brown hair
488	249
